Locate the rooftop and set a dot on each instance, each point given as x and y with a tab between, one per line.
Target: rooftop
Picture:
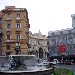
13	8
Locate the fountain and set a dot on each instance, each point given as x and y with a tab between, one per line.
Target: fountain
22	65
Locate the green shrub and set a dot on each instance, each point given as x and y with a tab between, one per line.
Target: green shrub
63	71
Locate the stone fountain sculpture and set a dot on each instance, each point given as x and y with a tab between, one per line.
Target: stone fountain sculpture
24	65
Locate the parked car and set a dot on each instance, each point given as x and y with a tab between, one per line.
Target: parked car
55	61
68	62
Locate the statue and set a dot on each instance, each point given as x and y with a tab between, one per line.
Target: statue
17	49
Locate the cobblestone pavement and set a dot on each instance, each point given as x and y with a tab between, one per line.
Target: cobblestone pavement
71	67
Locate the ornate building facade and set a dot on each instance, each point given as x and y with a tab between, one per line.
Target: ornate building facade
63	41
38	45
15	26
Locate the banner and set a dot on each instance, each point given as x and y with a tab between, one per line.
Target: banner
61	48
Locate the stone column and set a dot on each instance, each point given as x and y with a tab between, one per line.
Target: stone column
38	54
44	56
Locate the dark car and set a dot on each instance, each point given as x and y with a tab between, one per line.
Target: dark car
68	62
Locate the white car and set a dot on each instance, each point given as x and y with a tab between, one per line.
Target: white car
55	61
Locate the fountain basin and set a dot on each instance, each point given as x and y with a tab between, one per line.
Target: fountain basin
34	72
24	65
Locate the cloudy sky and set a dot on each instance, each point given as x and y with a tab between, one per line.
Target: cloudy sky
45	15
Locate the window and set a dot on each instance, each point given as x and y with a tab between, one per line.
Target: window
53	41
18	26
8	47
18	43
17	36
8	37
65	39
1	34
0	40
8	16
18	15
8	26
70	39
0	20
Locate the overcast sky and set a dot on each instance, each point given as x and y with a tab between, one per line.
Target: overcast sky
45	15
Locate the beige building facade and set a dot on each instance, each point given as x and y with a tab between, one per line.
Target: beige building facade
15	29
38	45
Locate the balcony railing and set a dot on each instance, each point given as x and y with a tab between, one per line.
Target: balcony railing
8	41
18	29
8	29
17	40
18	18
12	41
9	18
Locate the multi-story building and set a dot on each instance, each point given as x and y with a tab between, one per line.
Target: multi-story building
38	45
15	29
62	41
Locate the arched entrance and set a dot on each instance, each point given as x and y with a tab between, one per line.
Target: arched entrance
40	53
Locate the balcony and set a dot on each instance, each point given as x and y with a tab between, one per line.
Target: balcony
18	29
18	18
8	41
13	41
17	40
7	29
18	21
9	18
